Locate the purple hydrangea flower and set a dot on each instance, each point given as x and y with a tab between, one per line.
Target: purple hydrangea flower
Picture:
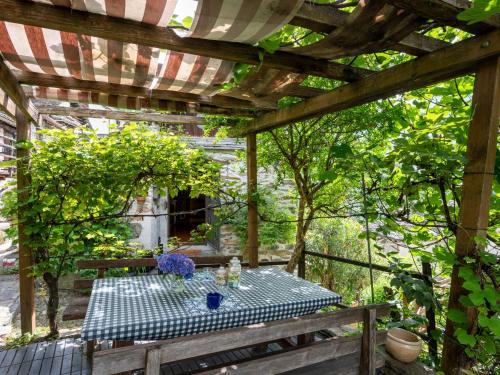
177	264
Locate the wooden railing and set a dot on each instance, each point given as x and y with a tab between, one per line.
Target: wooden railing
426	276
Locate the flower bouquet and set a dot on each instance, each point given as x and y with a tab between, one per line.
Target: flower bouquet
177	265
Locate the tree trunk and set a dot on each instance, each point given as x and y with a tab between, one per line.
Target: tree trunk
300	234
53	302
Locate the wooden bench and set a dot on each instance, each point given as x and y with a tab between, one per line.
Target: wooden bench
78	308
343	355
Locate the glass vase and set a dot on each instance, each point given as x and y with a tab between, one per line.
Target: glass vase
178	284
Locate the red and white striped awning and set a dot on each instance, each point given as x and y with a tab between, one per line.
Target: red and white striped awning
154	12
66	54
244	21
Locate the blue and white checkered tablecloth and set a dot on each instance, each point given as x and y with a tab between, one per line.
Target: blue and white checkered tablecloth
143	307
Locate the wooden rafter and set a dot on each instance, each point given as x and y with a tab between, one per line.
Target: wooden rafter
445	12
455	60
191	108
120	115
45	80
70	20
325	19
13	91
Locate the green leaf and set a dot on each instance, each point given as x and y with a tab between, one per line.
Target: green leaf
341	150
480	10
187	22
494	325
477	298
464	338
457	316
489	345
270	45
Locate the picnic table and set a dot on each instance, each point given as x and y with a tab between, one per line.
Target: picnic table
143	307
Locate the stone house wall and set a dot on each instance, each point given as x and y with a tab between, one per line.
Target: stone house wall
148	229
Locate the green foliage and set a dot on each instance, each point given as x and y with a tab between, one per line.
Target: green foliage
20	341
483	342
339	237
275	220
411	149
480	10
82	187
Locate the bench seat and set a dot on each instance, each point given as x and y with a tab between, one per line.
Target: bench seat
77	309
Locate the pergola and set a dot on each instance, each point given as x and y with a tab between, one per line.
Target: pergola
121	54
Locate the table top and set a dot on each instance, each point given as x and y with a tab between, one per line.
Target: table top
144	307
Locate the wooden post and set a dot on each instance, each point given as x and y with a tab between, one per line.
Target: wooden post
476	193
26	282
252	230
367	364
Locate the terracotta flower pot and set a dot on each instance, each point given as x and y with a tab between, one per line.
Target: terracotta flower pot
403	345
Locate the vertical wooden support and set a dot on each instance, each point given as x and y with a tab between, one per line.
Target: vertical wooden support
476	193
252	230
153	362
367	365
26	282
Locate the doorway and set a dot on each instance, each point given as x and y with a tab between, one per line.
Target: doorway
182	223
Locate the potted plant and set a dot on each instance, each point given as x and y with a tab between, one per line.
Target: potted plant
403	345
178	266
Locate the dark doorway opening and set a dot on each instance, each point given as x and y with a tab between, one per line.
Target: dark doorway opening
181	223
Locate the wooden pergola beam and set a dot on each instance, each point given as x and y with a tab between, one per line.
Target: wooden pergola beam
189	108
6	104
70	83
120	115
325	18
13	91
458	59
70	20
446	12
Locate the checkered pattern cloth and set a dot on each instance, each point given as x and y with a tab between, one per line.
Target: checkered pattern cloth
143	307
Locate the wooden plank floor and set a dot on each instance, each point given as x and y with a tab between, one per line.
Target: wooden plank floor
67	357
46	358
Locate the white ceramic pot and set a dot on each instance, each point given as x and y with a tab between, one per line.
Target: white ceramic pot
403	345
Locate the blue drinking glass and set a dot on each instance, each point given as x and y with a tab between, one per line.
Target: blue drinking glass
214	300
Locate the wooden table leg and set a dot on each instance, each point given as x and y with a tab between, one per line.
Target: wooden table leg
90	349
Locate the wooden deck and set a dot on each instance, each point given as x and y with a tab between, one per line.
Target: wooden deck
46	358
67	357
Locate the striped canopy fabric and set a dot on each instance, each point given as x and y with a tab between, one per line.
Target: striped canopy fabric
47	51
244	21
154	12
66	54
193	74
